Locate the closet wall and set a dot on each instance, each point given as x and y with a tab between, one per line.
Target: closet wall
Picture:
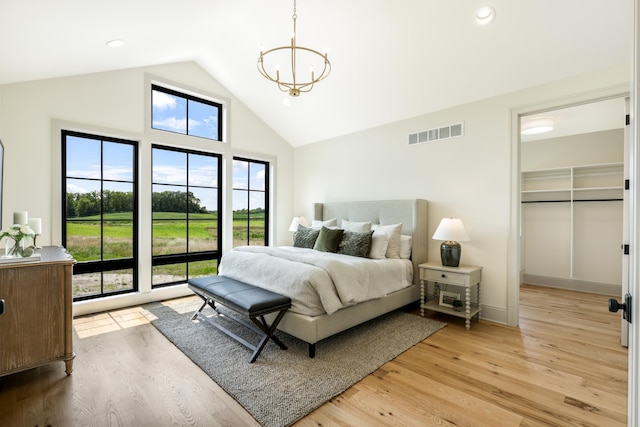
572	189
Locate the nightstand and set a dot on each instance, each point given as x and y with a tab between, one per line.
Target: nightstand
454	279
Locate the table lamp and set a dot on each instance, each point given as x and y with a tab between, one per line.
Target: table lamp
297	220
452	231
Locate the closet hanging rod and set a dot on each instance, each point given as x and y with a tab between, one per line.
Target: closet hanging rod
568	201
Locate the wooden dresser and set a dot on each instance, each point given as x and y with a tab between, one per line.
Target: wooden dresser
36	305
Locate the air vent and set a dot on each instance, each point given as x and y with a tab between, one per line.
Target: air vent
436	134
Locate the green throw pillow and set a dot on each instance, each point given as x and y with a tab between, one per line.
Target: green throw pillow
328	240
305	237
356	244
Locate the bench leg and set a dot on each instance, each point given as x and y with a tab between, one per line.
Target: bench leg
268	334
205	301
263	328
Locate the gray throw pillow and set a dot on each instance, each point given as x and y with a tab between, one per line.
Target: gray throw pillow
356	244
305	237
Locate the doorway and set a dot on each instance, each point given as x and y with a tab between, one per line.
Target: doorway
572	197
515	266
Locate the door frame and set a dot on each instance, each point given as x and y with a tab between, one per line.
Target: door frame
514	264
633	394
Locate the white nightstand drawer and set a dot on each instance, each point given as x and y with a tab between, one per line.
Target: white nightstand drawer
446	277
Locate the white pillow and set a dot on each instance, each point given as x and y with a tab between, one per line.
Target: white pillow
379	243
358	227
393	230
405	247
328	223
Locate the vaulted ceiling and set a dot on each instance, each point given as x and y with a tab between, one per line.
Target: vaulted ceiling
391	59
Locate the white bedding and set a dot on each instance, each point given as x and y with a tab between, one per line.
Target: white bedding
317	282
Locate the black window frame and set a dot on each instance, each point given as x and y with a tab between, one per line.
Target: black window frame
267	183
101	266
189	97
168	259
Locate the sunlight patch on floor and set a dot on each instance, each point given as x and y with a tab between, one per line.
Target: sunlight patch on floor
101	323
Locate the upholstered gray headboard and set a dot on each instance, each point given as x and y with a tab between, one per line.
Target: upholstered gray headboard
412	213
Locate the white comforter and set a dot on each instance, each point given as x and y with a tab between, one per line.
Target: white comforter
317	282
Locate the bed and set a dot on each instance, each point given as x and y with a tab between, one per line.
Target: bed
311	324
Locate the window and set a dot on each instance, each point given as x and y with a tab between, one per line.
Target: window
100	211
186	203
250	202
185	114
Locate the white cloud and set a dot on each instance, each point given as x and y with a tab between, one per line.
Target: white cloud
169	174
90	171
258	182
118	173
163	101
72	188
205	177
171	123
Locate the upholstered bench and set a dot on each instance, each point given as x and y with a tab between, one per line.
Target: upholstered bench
245	300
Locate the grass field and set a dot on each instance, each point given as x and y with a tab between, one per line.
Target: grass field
88	239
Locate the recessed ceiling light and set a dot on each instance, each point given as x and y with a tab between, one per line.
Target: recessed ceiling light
485	15
286	102
115	43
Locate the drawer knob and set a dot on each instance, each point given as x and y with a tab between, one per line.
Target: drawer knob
443	275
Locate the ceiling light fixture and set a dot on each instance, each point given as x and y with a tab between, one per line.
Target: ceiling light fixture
290	82
115	43
537	125
485	15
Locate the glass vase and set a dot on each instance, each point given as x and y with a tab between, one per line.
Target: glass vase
14	249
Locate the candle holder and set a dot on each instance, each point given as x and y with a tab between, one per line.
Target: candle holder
35	245
36	226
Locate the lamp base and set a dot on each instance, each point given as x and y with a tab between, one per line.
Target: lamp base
450	253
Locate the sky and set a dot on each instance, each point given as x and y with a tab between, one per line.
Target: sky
170	113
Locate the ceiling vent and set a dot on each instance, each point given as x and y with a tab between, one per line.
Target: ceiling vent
436	134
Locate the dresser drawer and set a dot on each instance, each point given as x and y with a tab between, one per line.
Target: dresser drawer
446	277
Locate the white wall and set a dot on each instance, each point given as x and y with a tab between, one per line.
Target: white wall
575	150
467	177
114	103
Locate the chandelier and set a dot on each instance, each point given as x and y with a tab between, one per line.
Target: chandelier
289	81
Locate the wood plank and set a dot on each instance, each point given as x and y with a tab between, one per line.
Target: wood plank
563	366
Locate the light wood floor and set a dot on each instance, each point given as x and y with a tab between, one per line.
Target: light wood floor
563	366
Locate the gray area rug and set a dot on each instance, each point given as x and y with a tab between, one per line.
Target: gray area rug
282	386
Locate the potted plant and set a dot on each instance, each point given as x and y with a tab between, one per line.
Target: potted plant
457	305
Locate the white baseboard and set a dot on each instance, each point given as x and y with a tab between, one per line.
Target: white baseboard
115	302
573	284
493	314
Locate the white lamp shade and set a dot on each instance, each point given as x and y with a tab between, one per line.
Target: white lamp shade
451	229
297	220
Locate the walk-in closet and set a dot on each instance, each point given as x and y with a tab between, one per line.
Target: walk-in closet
572	191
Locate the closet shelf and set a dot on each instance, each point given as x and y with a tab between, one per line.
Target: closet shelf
591	183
